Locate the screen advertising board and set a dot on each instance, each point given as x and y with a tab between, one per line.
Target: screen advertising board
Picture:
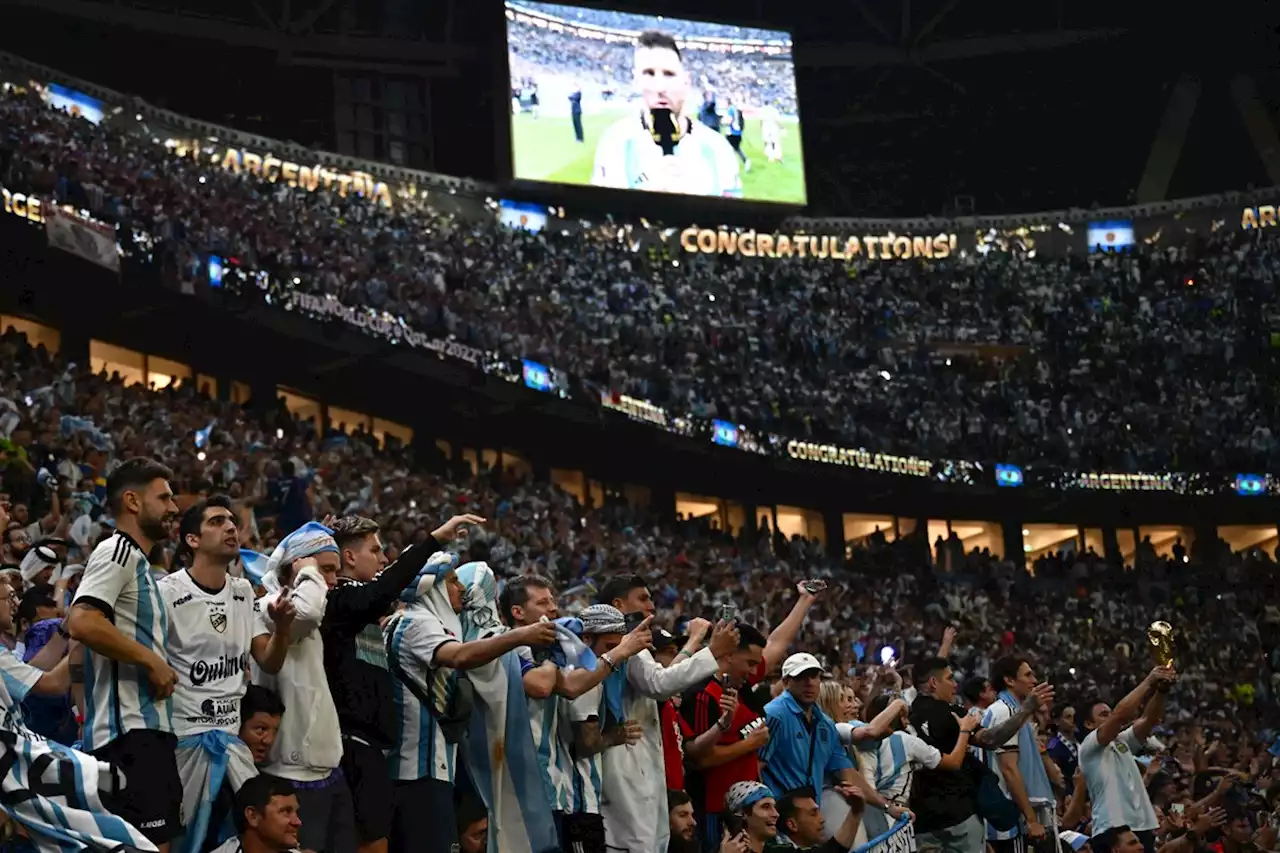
653	104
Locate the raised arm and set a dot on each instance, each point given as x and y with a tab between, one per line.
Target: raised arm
1153	712
1001	733
781	637
577	682
1125	712
648	678
882	724
476	653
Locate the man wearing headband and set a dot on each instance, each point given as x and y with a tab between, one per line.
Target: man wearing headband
119	615
308	746
355	660
603	630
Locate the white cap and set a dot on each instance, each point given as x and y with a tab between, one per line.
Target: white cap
799	663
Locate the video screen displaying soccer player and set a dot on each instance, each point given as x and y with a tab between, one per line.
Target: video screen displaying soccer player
639	102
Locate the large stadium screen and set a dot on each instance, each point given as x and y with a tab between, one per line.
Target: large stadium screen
639	102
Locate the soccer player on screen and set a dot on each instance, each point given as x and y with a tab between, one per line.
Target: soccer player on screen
664	149
771	134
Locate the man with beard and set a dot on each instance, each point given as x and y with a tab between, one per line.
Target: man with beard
684	826
16	543
119	615
212	635
356	665
634	784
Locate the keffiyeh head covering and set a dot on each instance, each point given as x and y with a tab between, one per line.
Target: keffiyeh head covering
308	540
38	559
603	619
741	796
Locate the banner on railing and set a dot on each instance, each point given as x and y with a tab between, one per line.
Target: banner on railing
381	325
92	241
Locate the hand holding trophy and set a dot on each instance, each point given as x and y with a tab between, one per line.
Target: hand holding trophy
1160	635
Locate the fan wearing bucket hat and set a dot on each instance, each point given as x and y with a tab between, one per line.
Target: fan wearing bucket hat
803	743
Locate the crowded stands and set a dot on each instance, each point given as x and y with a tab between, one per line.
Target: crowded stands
406	651
838	353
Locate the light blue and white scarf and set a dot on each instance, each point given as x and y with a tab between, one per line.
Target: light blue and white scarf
205	761
1034	777
500	754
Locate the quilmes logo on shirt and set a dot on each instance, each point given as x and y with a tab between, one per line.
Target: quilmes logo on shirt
204	671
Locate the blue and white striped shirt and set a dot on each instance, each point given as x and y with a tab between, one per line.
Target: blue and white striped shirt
588	771
554	759
421	751
118	696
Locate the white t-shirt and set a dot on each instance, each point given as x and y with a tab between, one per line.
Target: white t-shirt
1116	790
421	751
210	635
118	696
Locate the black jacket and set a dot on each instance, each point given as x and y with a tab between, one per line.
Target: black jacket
361	690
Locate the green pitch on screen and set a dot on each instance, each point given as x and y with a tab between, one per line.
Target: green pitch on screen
545	150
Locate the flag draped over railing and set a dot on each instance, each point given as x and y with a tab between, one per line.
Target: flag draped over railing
53	793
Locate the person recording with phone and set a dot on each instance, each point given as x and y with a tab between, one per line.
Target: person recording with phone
665	148
731	703
634	785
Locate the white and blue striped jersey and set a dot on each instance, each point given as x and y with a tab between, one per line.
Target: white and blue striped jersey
996	714
1116	791
588	771
118	696
894	761
627	157
16	680
554	760
421	751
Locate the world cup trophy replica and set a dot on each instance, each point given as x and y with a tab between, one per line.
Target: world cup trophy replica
1160	635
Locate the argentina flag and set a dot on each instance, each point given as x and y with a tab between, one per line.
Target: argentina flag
53	792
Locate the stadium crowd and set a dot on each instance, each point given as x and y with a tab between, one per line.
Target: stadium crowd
848	354
753	80
996	357
697	755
